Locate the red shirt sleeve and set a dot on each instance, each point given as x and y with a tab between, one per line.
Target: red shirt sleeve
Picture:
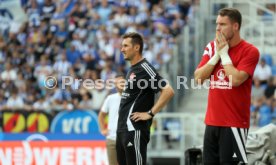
250	60
204	60
208	52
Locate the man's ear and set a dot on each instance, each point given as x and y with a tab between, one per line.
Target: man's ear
236	26
137	47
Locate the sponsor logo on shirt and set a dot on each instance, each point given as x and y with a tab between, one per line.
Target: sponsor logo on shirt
221	74
125	95
132	76
129	144
221	81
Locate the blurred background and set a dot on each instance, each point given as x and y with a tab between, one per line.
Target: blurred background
41	41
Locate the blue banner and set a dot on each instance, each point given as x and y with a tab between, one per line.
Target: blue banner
77	121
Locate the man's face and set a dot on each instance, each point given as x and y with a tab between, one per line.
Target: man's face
262	62
128	49
120	84
226	27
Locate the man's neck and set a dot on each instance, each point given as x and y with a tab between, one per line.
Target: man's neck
136	59
235	41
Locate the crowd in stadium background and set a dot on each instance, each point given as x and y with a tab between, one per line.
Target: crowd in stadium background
81	38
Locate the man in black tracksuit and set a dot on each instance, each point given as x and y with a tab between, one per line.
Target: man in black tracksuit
137	106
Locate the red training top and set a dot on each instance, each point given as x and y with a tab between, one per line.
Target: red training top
229	106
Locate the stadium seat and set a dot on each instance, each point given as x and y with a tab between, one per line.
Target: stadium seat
252	108
264	110
264	120
265	115
268	59
274	113
273	69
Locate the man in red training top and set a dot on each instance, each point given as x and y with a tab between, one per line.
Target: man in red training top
229	62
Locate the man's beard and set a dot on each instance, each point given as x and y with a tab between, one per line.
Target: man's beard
230	37
126	58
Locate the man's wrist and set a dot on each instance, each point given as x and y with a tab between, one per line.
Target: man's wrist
225	59
150	113
214	60
224	56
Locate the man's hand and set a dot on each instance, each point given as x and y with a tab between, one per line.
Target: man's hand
221	42
104	132
137	116
222	48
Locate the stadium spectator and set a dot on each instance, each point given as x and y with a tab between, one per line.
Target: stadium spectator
20	81
3	101
270	88
42	71
28	72
86	102
73	55
257	93
29	102
33	13
121	18
263	72
257	100
62	94
104	11
107	72
99	93
62	66
48	10
172	10
9	73
8	85
41	104
15	102
61	35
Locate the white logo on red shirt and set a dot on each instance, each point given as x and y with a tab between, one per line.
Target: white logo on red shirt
221	74
221	82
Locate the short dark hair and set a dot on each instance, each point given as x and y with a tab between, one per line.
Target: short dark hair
233	14
136	38
120	75
89	95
